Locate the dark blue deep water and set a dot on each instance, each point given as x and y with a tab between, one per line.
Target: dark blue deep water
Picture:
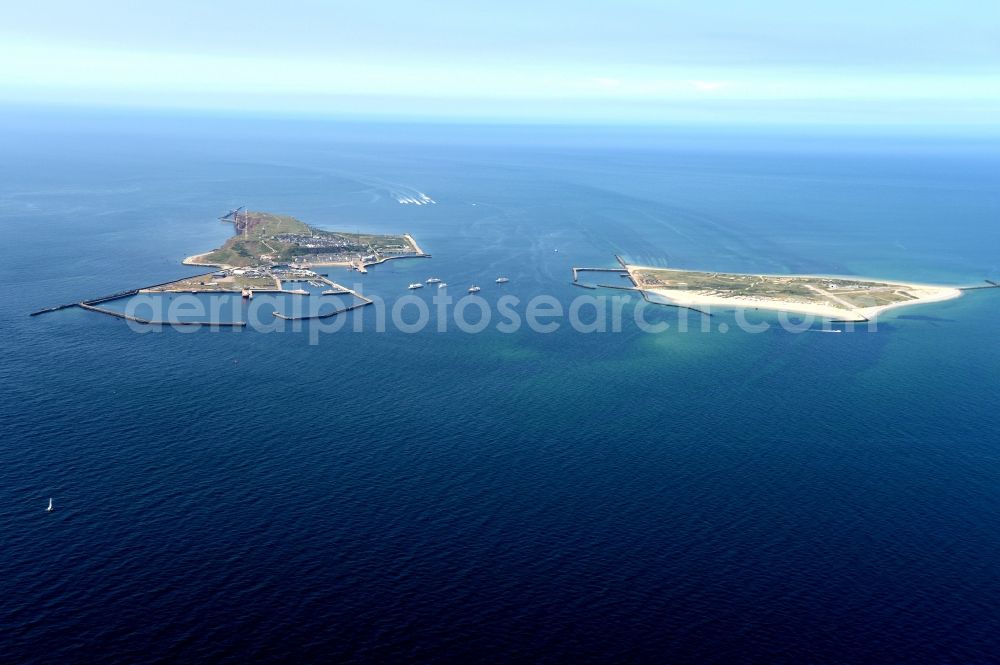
564	497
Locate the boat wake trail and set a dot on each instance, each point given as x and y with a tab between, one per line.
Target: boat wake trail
415	198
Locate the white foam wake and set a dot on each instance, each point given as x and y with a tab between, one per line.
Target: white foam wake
416	199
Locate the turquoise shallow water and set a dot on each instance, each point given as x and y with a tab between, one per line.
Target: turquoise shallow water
563	496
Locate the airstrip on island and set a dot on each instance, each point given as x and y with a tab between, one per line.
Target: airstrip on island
839	298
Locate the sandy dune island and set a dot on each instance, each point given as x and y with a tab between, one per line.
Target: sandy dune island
840	298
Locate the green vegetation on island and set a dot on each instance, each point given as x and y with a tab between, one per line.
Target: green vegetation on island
846	297
843	298
264	238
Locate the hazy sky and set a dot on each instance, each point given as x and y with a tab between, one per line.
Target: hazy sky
892	61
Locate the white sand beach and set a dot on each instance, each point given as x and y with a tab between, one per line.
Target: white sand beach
835	307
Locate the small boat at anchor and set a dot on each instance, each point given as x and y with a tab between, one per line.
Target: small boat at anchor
433	280
474	289
415	285
442	285
502	280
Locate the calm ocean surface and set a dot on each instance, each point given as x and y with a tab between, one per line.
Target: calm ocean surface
559	497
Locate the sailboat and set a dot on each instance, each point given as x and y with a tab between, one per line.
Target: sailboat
50	508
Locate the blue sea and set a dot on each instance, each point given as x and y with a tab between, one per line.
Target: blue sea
708	495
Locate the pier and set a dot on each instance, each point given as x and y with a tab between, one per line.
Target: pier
113	296
990	284
148	322
336	289
92	305
362	266
110	312
55	309
585	285
577	271
620	288
645	297
327	315
624	272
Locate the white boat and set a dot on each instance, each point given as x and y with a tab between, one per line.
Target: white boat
247	293
433	280
416	285
50	508
502	280
442	285
474	289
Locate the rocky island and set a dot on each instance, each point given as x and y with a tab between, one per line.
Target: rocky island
264	238
267	252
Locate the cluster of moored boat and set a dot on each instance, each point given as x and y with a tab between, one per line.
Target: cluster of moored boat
441	284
